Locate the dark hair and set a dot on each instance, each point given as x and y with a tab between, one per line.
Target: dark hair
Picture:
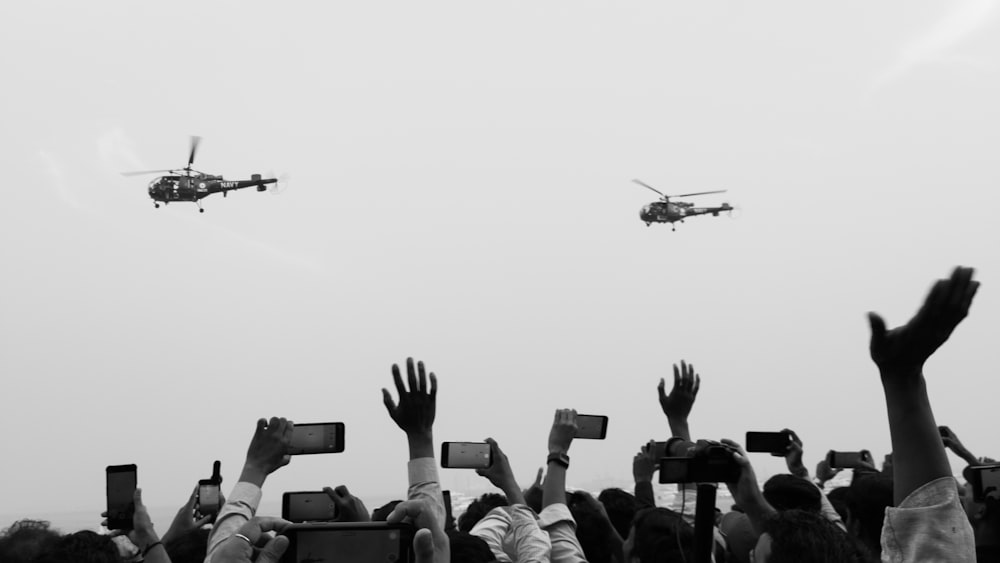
661	536
188	548
383	512
801	536
621	507
594	531
82	547
867	501
24	540
785	492
478	508
467	548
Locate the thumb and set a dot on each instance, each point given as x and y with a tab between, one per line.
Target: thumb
137	497
878	328
273	550
423	546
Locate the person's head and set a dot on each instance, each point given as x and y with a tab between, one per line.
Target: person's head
189	547
593	528
869	496
467	548
82	547
787	492
800	536
382	512
621	507
25	539
478	508
658	535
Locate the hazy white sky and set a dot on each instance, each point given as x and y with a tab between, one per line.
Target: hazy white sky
461	194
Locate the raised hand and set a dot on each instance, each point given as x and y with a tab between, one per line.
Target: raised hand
142	533
185	521
349	507
824	472
951	441
563	431
268	450
793	456
677	405
415	412
500	474
645	463
241	547
902	351
746	492
430	544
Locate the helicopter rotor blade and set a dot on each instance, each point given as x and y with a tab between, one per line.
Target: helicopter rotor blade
194	148
141	172
700	193
645	185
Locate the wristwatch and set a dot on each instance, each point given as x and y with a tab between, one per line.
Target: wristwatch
558	458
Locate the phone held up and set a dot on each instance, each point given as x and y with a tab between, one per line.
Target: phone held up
712	463
466	455
591	426
121	483
847	460
308	506
345	542
317	438
985	481
209	498
774	443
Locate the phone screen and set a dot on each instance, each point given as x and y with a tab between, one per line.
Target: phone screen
121	483
348	542
844	459
675	469
986	482
591	427
308	506
208	498
317	438
768	442
466	455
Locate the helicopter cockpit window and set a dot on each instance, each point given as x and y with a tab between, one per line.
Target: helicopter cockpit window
647	208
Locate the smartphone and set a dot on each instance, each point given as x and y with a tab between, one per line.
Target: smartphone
209	499
349	542
985	482
121	483
845	459
698	470
591	426
466	455
774	443
308	506
317	438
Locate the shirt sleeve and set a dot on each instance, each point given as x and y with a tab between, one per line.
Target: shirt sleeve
532	544
240	507
492	529
426	485
557	520
929	525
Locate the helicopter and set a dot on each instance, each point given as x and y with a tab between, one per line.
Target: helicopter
188	184
667	211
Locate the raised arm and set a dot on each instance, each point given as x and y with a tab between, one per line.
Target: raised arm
414	414
900	353
951	441
677	405
746	492
556	518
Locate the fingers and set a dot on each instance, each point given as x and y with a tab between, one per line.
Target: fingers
137	498
423	546
422	375
272	552
398	380
411	375
661	388
204	520
677	377
434	386
538	477
878	329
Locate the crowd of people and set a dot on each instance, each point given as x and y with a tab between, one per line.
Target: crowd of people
911	509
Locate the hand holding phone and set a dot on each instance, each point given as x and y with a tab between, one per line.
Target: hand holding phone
349	541
985	481
850	460
774	443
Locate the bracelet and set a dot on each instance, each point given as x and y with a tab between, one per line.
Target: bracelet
150	547
558	459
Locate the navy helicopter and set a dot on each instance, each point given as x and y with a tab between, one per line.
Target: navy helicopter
667	211
188	184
